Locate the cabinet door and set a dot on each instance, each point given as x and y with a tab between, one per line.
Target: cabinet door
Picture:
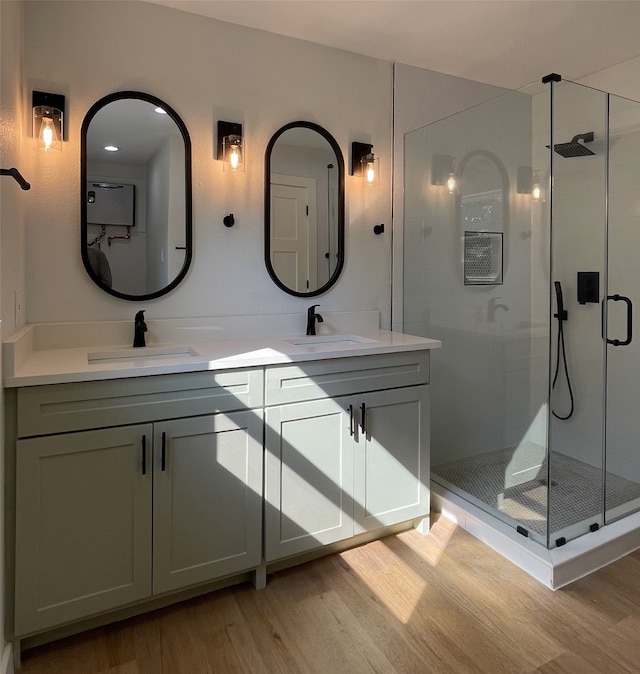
207	516
83	524
308	476
391	462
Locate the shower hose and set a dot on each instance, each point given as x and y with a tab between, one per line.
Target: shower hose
561	352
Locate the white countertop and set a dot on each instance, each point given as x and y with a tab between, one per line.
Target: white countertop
30	364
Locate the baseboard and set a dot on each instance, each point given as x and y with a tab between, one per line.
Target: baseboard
6	664
553	568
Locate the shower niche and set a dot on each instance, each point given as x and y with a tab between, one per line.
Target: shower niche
482	258
496	443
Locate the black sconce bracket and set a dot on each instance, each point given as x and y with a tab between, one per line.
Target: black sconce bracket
378	229
358	151
229	220
441	167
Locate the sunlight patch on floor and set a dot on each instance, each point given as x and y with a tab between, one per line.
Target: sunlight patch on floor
379	568
432	546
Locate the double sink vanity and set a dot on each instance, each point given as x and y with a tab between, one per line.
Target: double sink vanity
147	475
226	448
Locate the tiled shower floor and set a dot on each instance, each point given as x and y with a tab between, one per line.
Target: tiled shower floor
576	487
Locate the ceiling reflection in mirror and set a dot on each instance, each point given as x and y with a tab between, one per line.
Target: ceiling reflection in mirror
136	238
304	209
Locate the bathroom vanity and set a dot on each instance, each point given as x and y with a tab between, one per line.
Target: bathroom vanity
142	477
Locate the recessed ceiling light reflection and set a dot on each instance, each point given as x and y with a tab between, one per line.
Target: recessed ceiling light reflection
111	148
161	111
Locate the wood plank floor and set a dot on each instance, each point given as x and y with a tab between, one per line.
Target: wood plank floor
407	604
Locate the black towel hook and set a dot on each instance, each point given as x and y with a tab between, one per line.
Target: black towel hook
14	173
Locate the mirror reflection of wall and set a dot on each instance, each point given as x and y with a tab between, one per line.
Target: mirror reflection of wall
136	210
483	217
304	208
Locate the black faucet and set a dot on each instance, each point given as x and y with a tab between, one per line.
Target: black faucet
312	317
140	327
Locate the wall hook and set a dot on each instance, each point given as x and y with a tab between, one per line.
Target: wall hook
229	220
14	173
378	229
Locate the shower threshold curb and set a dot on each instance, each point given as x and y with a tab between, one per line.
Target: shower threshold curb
554	568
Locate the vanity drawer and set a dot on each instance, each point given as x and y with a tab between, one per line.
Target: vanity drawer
117	402
343	376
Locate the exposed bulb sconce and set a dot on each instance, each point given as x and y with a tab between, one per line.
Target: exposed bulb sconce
364	163
231	146
536	189
536	192
48	121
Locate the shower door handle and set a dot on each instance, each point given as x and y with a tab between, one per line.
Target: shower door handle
627	301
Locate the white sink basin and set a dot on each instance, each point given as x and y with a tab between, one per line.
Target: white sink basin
329	340
129	355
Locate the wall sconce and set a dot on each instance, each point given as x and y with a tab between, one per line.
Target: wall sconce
364	164
231	146
536	188
441	167
528	182
443	172
48	121
452	182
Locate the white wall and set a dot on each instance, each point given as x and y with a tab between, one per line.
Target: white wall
12	205
14	201
206	70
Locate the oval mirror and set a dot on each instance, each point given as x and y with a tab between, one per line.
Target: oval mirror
483	217
304	209
135	232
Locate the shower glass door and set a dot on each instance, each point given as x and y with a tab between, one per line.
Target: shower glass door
509	206
622	486
476	276
578	212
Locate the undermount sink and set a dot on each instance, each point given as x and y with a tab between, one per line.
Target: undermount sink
328	340
129	355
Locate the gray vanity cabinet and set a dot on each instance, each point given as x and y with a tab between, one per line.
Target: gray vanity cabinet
151	488
107	517
207	493
391	455
83	522
308	476
326	478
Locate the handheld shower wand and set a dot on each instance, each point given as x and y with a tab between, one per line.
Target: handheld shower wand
562	315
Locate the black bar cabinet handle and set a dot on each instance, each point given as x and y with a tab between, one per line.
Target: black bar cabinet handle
164	451
627	301
144	454
363	410
351	431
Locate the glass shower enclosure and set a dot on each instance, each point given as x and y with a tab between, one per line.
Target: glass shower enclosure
522	254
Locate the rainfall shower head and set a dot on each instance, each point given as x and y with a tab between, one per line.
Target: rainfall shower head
575	148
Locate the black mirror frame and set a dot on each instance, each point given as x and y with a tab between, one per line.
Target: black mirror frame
267	208
91	113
